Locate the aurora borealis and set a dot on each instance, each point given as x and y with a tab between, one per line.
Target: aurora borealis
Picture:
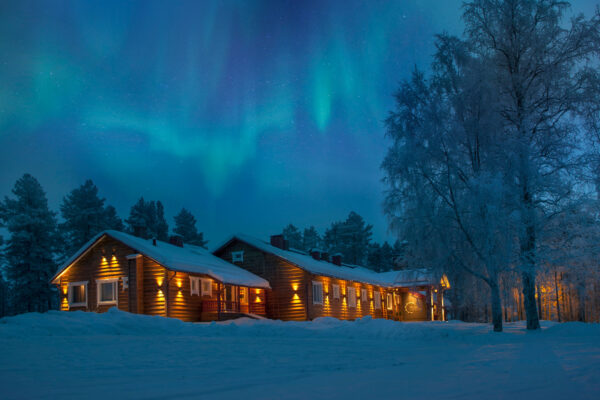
251	114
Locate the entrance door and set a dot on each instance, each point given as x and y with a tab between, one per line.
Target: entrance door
231	298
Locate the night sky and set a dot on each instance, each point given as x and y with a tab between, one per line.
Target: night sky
251	114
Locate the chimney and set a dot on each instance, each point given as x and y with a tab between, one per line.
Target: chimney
176	240
316	254
278	241
337	259
325	256
153	241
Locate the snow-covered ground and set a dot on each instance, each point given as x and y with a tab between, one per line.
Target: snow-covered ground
118	355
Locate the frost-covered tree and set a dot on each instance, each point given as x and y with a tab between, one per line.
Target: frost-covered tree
185	226
84	216
542	72
293	236
30	250
311	239
445	194
486	151
147	220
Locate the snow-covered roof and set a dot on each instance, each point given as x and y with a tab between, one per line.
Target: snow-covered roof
188	258
345	271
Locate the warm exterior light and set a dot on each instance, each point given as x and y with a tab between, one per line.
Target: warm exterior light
295	287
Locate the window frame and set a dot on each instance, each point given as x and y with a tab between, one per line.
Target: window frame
364	295
202	291
196	291
237	256
389	302
377	299
69	293
319	299
335	288
115	283
353	297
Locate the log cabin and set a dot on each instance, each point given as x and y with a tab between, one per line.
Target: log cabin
115	269
305	286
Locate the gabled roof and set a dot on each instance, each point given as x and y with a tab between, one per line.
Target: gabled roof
188	258
415	277
345	271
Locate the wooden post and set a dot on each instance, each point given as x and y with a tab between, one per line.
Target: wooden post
218	301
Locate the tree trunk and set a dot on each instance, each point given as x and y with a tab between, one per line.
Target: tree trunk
557	298
528	259
531	312
496	308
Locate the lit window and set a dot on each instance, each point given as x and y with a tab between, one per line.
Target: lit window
125	283
107	291
206	287
317	291
351	297
194	286
377	300
237	256
336	291
363	295
389	304
77	294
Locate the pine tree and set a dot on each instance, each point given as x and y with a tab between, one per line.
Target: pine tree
310	239
374	258
30	249
351	238
84	216
147	220
387	257
399	259
138	222
185	226
332	241
161	227
293	236
112	220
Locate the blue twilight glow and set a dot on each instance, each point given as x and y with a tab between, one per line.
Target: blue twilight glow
252	114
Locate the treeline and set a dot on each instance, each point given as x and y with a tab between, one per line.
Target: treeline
41	239
352	239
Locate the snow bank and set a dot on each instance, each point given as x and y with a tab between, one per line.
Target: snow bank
115	322
63	355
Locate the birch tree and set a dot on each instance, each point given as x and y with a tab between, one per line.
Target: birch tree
445	188
542	72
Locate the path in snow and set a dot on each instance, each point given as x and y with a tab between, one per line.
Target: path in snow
119	355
